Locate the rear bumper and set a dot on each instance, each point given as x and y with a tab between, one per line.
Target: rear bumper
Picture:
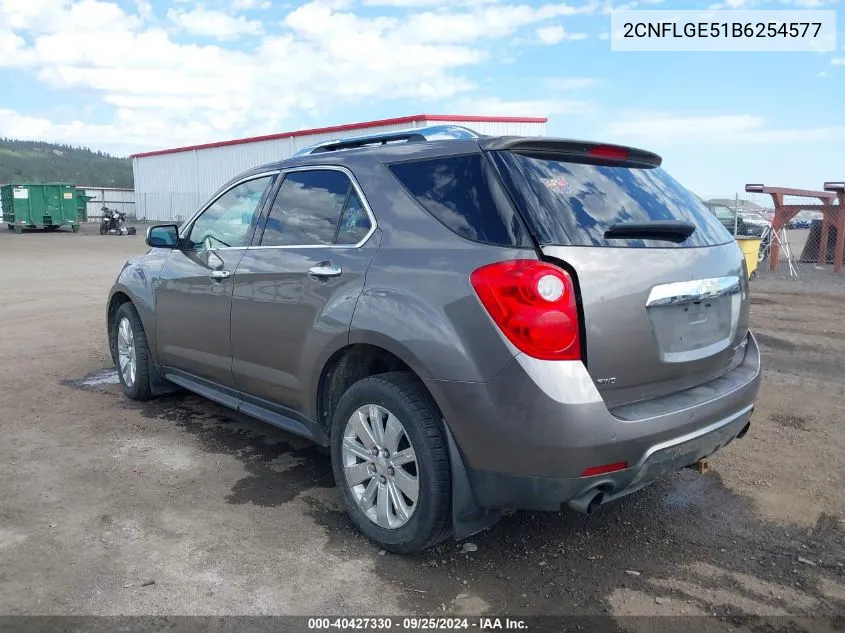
527	436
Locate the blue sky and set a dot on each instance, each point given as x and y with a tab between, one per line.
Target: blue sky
135	75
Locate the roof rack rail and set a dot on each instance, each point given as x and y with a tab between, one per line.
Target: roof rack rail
413	135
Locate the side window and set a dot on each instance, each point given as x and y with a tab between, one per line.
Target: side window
464	194
307	209
354	222
226	222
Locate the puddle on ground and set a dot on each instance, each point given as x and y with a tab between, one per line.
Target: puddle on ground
102	377
101	380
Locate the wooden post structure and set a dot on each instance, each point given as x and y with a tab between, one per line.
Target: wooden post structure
832	215
839	189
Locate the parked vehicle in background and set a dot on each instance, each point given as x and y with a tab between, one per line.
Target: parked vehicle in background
735	224
804	219
754	222
113	222
470	323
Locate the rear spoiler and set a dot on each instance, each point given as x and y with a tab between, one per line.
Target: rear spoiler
579	151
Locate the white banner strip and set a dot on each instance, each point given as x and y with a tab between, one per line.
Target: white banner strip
723	30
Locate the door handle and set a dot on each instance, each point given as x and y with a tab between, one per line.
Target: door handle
219	275
325	270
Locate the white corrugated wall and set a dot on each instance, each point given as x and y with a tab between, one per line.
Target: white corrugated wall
172	186
118	199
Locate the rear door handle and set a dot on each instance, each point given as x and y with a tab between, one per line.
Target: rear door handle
219	275
325	270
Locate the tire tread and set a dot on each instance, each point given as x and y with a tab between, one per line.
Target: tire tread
427	418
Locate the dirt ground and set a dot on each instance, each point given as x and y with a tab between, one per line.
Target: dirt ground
180	507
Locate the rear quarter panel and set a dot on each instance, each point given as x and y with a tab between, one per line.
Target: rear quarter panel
418	302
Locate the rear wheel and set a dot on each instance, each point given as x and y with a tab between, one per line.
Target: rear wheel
132	353
18	229
390	462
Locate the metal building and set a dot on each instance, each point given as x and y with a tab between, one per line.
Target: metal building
112	197
170	184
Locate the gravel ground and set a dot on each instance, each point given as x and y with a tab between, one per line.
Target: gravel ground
179	506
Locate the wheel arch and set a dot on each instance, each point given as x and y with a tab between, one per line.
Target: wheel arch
117	299
361	360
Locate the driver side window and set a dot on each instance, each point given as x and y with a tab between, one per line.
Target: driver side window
226	222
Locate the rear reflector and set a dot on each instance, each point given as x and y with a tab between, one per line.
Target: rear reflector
609	152
533	303
603	470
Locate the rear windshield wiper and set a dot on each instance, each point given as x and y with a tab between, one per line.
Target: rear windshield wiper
669	230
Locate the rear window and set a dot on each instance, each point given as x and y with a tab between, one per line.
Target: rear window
464	194
574	204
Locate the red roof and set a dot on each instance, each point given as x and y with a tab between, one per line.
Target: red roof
434	118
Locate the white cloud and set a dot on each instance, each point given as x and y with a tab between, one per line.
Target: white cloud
164	91
571	83
425	3
494	106
720	129
821	74
750	4
214	24
245	5
551	34
838	61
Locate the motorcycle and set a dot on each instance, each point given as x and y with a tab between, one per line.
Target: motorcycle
113	223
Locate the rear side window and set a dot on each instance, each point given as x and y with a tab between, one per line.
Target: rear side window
574	204
464	194
315	208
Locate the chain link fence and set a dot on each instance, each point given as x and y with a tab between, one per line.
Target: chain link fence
750	215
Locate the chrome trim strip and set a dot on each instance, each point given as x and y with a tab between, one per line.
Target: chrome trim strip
695	434
691	291
358	190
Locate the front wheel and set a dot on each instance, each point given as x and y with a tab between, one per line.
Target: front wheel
390	462
132	353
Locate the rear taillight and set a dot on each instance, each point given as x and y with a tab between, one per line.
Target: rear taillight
533	303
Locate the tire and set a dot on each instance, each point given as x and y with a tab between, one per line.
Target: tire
131	230
402	395
139	387
103	229
74	228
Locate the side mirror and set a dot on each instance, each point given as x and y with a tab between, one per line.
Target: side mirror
163	236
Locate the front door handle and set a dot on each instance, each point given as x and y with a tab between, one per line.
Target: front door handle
219	275
325	270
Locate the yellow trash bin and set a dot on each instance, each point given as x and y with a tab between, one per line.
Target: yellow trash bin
750	247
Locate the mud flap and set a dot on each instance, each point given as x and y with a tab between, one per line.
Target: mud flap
159	386
467	517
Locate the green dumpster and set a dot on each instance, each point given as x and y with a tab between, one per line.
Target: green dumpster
82	205
39	206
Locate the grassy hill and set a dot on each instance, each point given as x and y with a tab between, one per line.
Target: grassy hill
35	161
